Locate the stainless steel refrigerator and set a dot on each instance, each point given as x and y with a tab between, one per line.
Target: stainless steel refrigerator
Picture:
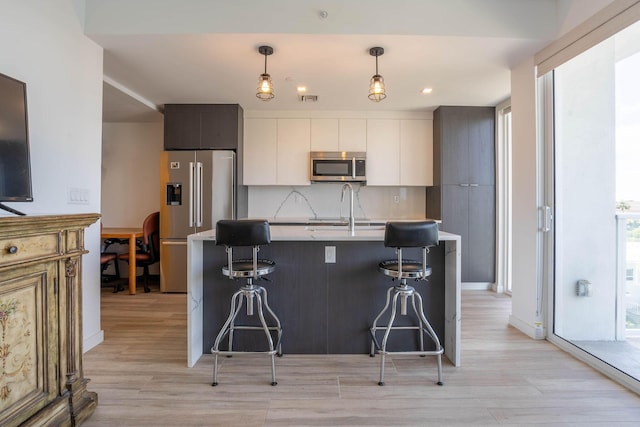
197	189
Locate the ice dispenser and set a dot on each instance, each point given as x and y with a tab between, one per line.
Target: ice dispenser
174	194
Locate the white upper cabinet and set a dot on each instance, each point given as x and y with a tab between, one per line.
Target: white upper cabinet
399	152
352	135
276	152
294	137
324	134
339	135
416	152
260	152
383	152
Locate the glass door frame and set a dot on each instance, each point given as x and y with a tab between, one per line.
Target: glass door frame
546	232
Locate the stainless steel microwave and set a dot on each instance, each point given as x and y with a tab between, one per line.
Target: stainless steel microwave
338	166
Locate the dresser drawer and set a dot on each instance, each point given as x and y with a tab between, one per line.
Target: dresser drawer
27	248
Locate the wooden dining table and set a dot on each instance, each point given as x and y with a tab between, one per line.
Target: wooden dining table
131	234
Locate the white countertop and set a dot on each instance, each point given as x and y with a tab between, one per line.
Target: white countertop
321	232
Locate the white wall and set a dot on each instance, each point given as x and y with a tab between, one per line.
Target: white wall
42	44
130	177
130	172
524	199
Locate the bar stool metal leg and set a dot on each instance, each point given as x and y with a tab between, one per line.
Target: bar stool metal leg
374	342
439	350
249	292
404	292
278	327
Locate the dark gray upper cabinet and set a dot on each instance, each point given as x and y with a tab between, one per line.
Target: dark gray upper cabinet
467	150
202	126
463	194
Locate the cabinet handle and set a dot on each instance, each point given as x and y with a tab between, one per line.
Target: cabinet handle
464	185
12	249
473	185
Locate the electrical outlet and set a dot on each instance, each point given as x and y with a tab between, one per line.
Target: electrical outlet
330	254
396	199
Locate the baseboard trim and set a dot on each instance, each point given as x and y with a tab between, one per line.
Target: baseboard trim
532	331
92	341
476	286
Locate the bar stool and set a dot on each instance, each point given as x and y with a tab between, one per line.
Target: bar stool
232	233
422	234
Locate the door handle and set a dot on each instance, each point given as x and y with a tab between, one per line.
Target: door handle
353	167
199	194
547	219
191	192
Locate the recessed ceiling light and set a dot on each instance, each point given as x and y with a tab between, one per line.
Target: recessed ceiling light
301	89
427	90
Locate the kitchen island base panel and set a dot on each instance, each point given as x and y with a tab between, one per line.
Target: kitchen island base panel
325	308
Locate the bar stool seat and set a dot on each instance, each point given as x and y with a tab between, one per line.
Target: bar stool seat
238	233
399	235
244	268
410	269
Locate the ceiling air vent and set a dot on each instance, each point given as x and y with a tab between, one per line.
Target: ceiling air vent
308	98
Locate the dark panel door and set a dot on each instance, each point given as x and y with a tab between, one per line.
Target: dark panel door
219	126
455	216
181	127
480	262
455	145
481	146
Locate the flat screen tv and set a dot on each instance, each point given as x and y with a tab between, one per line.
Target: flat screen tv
15	165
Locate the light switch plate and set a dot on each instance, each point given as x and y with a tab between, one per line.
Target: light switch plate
330	254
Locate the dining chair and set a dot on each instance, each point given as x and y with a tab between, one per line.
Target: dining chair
148	248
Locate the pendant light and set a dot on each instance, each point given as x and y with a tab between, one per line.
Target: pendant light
265	87
376	86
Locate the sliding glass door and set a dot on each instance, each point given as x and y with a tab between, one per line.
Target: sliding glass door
596	201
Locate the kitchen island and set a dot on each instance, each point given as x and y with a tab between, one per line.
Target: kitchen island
324	307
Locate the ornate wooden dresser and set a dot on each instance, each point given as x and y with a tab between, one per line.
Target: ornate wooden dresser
42	380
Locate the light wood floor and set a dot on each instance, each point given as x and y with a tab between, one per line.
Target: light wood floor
140	375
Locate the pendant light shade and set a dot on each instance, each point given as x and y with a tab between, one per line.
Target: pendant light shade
376	86
265	86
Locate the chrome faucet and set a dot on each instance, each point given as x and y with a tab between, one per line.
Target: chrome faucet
352	221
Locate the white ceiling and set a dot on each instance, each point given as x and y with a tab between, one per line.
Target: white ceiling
195	51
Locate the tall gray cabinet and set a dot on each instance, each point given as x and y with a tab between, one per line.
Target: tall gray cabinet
463	193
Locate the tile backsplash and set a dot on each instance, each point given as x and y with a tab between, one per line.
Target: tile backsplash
323	200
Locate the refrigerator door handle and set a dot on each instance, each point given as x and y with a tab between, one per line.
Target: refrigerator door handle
191	192
199	194
233	186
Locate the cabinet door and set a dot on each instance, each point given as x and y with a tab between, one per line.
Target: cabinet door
324	134
416	152
30	343
260	152
455	218
481	238
294	139
181	127
219	126
352	135
454	132
383	152
481	146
